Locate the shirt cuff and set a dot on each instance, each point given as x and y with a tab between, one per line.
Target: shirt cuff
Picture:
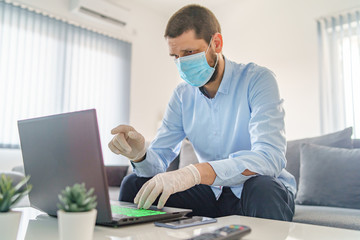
148	167
228	173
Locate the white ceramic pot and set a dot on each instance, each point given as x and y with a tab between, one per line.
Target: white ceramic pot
76	225
9	224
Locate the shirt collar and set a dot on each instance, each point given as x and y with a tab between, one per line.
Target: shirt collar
226	80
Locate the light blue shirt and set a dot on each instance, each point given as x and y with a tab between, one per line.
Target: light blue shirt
242	127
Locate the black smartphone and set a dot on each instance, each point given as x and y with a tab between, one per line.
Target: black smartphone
185	222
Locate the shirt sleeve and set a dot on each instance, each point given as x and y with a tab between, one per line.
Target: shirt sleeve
267	133
166	145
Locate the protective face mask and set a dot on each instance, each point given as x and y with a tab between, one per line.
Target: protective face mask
194	69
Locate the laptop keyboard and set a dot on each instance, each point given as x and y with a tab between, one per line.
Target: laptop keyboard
133	212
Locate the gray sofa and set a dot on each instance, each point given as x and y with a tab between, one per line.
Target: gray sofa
306	211
327	213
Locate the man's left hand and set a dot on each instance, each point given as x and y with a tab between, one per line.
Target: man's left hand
167	183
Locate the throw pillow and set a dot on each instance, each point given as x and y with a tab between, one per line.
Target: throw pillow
329	176
187	154
340	139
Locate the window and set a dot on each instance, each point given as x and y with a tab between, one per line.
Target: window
351	70
48	66
339	51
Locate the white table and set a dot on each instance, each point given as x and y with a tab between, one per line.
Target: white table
36	225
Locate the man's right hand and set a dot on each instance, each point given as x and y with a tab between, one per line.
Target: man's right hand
128	142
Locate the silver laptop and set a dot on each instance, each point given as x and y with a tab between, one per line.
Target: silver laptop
64	149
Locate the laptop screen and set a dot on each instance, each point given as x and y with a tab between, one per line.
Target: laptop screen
59	151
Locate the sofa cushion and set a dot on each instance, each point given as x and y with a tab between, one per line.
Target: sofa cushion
328	216
114	193
329	176
356	143
341	139
19	169
187	154
115	175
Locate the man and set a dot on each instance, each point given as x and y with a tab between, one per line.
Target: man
233	116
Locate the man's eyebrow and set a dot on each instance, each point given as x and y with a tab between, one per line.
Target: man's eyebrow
185	50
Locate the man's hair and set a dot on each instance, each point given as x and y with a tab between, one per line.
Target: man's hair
193	17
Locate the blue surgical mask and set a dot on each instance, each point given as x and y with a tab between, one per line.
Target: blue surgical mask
194	69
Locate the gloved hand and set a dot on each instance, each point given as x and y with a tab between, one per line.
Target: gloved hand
168	183
127	142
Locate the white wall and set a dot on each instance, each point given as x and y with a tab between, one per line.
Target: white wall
282	35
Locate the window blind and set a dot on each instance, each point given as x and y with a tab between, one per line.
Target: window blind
48	66
339	55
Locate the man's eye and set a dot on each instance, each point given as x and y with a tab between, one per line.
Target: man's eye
190	52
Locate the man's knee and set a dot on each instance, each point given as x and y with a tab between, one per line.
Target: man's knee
130	186
267	197
263	187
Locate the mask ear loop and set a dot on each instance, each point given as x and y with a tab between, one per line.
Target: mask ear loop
217	57
208	46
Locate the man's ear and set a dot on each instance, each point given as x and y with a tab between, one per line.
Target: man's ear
218	42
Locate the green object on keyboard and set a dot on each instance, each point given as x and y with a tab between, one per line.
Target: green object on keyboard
134	212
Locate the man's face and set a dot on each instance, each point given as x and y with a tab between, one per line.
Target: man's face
187	44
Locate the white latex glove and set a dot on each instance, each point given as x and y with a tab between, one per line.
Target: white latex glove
168	183
127	142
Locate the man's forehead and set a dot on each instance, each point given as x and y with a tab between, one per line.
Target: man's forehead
186	40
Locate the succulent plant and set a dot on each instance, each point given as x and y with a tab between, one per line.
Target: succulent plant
9	194
77	199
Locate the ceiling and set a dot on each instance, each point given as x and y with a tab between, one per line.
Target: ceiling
168	7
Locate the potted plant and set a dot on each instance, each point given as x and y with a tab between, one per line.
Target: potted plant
77	213
9	195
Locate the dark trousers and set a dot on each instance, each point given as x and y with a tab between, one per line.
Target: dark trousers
262	196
